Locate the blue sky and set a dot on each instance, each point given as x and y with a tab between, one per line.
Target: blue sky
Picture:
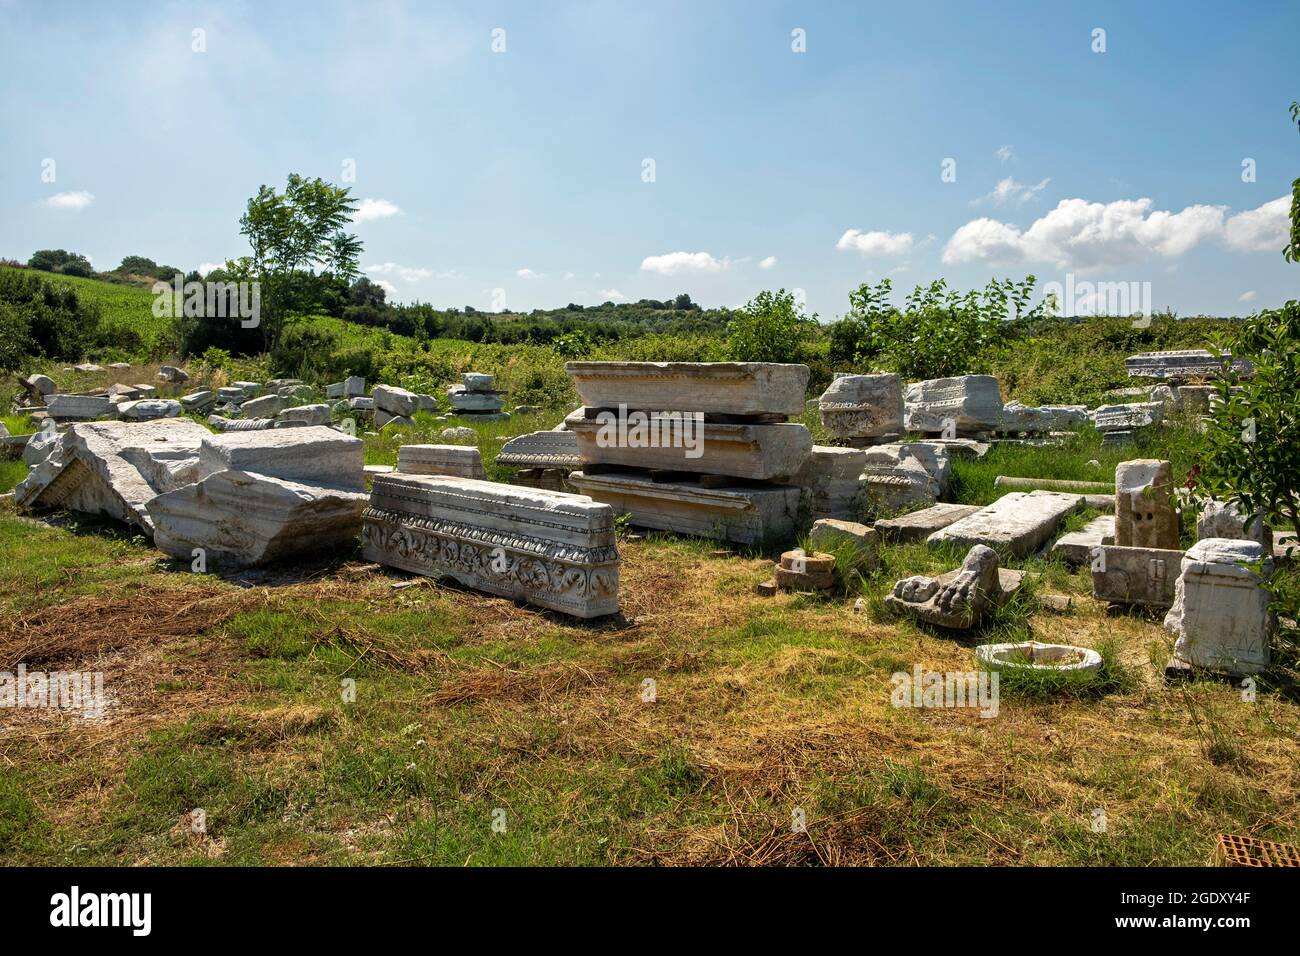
519	176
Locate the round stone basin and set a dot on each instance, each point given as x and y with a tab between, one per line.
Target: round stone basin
1044	658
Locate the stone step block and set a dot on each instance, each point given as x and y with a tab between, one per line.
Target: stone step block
729	388
1018	523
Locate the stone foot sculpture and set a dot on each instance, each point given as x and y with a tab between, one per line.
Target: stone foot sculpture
958	599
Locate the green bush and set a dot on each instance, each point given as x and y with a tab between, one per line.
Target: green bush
41	318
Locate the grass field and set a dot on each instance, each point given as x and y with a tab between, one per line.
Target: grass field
483	732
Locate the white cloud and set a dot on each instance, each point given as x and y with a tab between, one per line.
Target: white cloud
876	243
1259	229
77	200
1247	296
674	262
1005	153
1008	189
612	295
206	267
529	274
389	289
569	275
768	263
392	269
1080	234
370	209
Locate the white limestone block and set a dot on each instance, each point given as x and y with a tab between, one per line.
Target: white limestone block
1220	614
312	455
1019	523
463	461
863	406
727	388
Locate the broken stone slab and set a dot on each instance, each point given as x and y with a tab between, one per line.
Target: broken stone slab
525	410
223	424
240	519
146	391
296	396
395	401
957	404
1126	418
1052	484
40	446
229	393
361	404
463	400
40	386
116	468
1196	398
477	381
958	599
1220	614
199	401
1141	576
683	443
831	479
460	433
548	449
118	392
1145	516
745	515
724	388
1018	417
905	474
268	406
85	407
463	461
170	373
89	368
146	409
311	455
1019	523
919	525
250	389
1219	519
547	548
385	420
862	406
305	415
1183	365
1076	548
831	533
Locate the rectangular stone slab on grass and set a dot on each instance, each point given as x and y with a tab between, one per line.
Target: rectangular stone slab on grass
312	454
463	461
547	548
919	525
548	449
727	388
1076	547
1018	523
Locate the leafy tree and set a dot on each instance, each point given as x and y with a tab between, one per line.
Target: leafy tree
939	332
293	234
77	266
365	292
43	318
49	260
137	265
772	327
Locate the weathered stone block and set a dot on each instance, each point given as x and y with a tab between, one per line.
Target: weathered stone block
746	515
1144	514
63	407
1142	576
684	443
1219	519
863	406
463	461
1018	417
726	388
394	400
1220	613
833	533
464	400
477	381
146	409
240	518
1125	418
305	415
1019	522
1077	547
548	449
1182	365
547	548
310	455
268	406
963	403
919	525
